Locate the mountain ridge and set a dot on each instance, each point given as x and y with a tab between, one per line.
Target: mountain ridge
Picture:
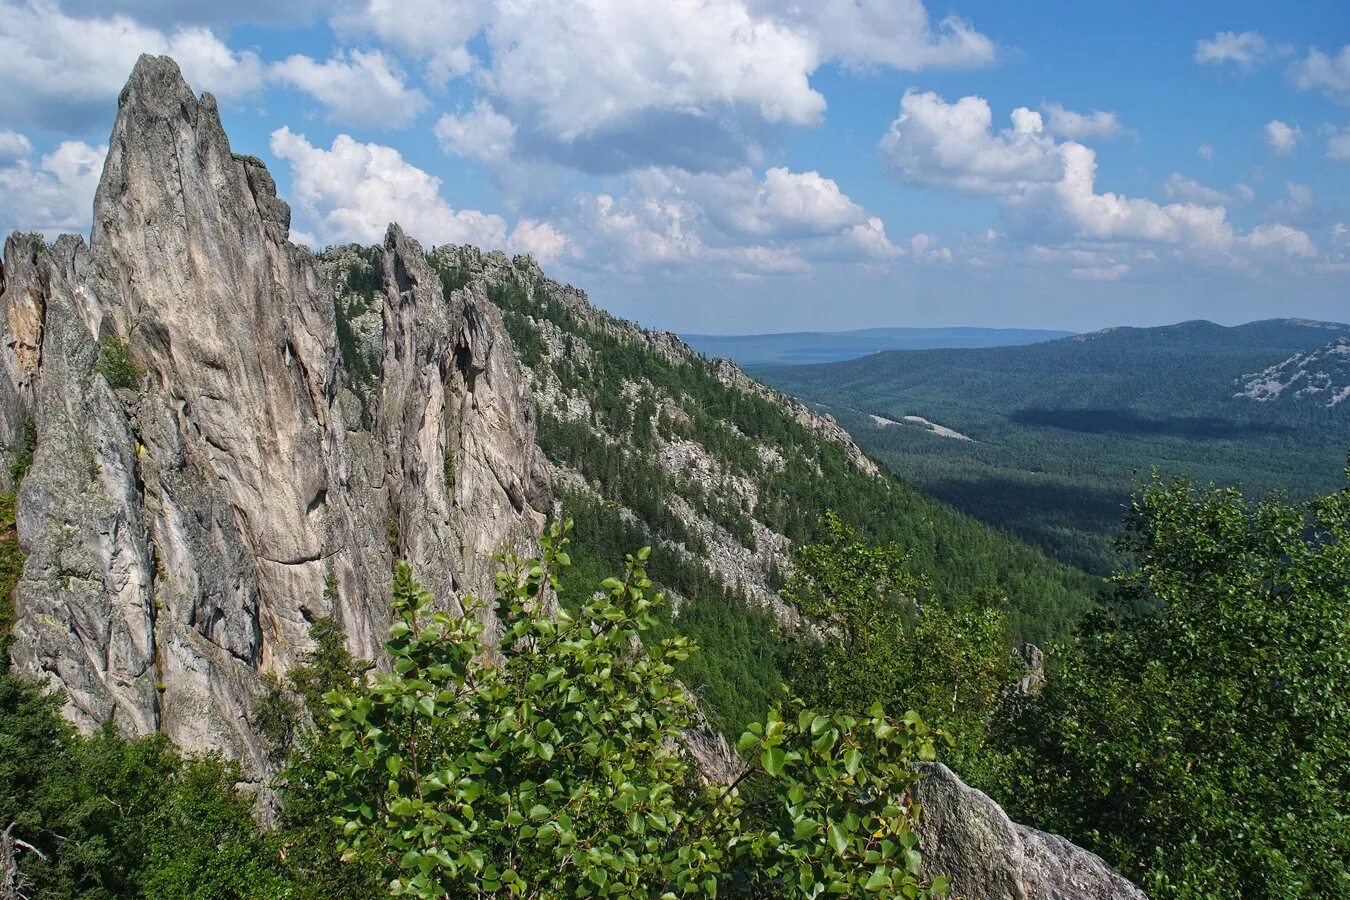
799	347
267	429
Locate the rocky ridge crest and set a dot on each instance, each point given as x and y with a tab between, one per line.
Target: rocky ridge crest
1320	376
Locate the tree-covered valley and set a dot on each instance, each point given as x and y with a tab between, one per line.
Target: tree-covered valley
1062	431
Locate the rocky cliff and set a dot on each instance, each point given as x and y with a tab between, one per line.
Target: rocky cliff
204	480
966	835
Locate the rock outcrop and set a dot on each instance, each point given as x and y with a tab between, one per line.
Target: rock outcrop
204	481
1033	682
965	835
1315	377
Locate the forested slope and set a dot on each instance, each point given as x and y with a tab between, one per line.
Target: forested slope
1062	431
653	444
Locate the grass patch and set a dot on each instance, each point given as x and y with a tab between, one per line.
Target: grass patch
11	567
114	363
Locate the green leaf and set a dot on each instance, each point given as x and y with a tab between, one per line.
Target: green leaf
837	839
805	828
773	760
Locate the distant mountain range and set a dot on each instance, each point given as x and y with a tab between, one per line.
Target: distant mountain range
1061	431
802	347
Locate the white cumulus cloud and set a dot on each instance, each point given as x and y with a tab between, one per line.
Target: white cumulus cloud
481	133
750	225
1281	240
352	191
1281	137
933	142
62	72
895	33
1338	144
784	204
611	85
1048	188
541	240
433	30
585	67
1298	207
925	248
357	88
1082	126
14	147
1188	190
1247	49
1328	73
54	195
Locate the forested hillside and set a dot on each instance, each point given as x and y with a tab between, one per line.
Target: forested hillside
1062	432
653	444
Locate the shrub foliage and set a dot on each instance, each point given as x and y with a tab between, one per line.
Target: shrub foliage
552	765
1199	736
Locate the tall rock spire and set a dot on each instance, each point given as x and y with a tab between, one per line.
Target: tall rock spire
204	483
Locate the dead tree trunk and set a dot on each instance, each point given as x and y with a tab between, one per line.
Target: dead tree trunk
9	867
9	863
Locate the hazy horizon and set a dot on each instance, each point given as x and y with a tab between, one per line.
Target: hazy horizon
988	327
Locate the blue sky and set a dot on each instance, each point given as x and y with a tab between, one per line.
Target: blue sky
760	165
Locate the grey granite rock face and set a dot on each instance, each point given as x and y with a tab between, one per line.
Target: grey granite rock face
965	835
1033	682
187	517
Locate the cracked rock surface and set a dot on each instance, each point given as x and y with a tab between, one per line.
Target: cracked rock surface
189	511
966	835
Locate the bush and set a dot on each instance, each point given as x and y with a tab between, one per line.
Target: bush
879	636
1198	736
122	818
114	364
551	766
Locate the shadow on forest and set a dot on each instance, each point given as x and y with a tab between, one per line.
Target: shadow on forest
1075	525
1127	421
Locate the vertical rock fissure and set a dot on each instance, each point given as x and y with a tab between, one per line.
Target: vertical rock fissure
153	601
245	474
